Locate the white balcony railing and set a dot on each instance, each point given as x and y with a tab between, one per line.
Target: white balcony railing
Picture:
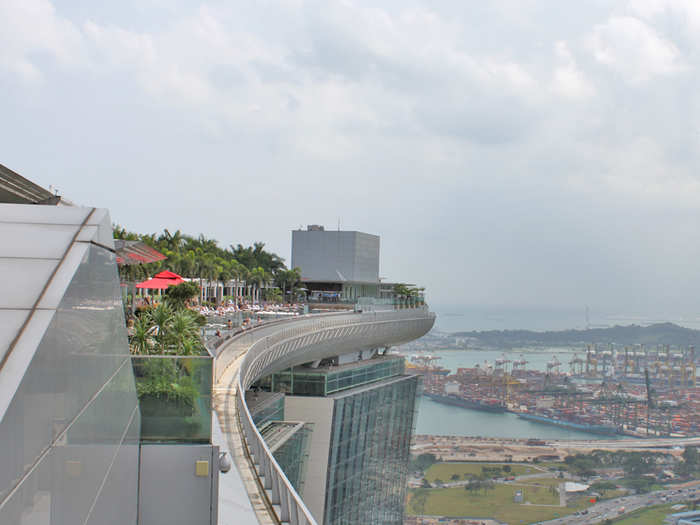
278	345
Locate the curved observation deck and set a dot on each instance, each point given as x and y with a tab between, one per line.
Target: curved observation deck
279	345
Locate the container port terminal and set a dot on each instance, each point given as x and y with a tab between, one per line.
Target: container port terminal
610	389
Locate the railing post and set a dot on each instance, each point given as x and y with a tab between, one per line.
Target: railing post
284	504
275	497
293	512
267	471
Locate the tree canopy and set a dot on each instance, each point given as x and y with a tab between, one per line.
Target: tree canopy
202	258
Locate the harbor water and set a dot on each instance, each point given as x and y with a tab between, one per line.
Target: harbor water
446	420
439	419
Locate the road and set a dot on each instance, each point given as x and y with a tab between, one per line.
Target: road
628	443
608	509
424	441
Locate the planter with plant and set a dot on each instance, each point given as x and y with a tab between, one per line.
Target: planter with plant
173	373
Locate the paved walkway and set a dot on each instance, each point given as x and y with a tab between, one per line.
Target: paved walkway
235	507
224	401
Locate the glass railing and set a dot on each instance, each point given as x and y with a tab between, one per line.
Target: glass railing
174	397
376	304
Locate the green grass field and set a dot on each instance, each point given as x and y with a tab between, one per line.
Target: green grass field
445	471
497	503
549	482
649	516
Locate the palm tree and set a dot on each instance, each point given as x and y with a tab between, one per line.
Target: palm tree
402	292
182	331
119	232
255	256
174	241
287	279
161	317
209	268
225	273
274	295
206	269
243	255
239	273
258	277
141	339
208	245
408	295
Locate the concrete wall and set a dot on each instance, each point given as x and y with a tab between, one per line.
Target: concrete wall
172	491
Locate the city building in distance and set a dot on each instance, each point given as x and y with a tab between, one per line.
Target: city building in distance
338	264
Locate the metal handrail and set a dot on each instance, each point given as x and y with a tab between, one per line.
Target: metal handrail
263	341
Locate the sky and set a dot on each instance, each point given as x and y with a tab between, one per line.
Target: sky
524	153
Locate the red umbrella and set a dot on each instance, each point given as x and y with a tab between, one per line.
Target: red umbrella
161	281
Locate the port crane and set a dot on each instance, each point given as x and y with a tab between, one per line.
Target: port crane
553	364
650	399
519	364
576	364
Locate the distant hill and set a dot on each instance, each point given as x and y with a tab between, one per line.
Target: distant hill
662	333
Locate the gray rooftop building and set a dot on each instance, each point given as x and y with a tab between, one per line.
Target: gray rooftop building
337	265
335	256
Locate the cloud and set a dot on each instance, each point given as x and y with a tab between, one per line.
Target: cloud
683	11
505	142
568	80
31	30
633	49
116	47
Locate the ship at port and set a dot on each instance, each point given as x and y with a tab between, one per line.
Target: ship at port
452	392
487	405
607	430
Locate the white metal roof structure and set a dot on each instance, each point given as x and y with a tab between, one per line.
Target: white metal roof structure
69	421
16	189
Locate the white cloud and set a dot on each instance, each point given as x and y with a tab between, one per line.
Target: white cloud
117	47
568	80
30	30
643	170
634	49
687	11
438	115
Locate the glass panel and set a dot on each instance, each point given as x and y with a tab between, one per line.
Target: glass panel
11	321
369	454
65	484
45	241
113	506
23	280
83	346
272	412
293	456
174	397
